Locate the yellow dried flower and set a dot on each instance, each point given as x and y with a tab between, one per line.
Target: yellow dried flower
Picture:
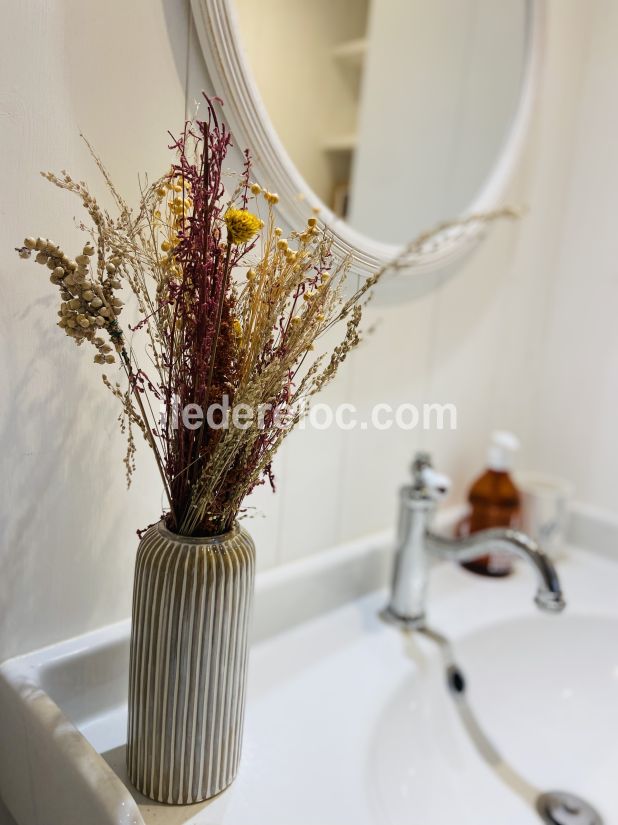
242	225
237	327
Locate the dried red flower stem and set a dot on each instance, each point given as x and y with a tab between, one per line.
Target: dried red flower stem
208	338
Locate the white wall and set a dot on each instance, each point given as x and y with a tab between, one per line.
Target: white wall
117	72
120	74
576	405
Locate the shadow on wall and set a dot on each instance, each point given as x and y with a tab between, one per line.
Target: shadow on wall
61	465
5	816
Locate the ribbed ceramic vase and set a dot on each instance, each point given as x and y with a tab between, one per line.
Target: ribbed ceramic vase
191	611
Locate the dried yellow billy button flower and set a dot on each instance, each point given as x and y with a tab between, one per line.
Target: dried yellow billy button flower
241	225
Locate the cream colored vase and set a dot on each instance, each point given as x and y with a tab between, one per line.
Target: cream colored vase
191	611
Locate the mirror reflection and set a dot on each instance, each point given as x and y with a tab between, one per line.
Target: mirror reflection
397	111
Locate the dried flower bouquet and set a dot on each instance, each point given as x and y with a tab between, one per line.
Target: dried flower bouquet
231	312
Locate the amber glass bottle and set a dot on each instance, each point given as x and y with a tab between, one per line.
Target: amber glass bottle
494	502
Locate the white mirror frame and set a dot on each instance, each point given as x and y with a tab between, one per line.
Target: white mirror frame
219	36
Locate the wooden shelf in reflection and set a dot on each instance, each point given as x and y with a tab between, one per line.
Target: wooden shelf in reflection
352	52
341	143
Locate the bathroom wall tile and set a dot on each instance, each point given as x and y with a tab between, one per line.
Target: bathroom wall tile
261	516
311	495
465	350
578	374
390	367
527	297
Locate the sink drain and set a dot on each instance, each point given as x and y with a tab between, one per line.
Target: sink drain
561	808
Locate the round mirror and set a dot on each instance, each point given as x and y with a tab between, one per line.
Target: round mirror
390	115
394	111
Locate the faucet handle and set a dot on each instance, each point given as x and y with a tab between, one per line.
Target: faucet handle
429	482
421	462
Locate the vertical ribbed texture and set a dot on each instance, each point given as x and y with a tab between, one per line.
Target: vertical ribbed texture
187	677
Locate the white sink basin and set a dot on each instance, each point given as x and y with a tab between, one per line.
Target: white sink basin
547	691
348	722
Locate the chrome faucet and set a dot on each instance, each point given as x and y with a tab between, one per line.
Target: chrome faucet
416	543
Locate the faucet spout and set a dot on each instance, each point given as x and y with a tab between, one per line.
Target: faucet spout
417	543
549	592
